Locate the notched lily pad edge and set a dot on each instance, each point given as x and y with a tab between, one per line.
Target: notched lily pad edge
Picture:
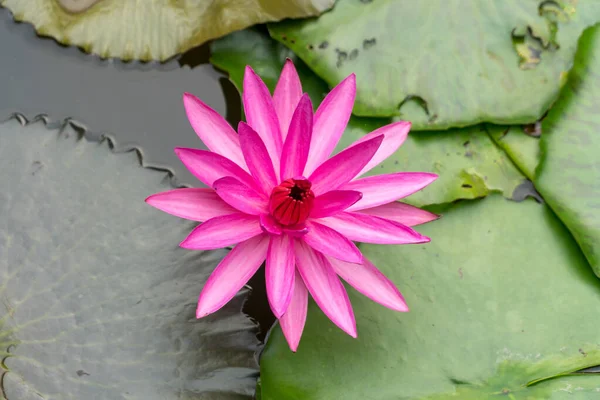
109	138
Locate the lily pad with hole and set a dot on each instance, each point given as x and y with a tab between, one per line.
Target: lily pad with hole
442	64
97	301
468	162
514	316
152	29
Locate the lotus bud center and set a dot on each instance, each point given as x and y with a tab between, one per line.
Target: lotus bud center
291	202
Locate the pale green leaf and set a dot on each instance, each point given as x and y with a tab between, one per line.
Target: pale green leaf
151	29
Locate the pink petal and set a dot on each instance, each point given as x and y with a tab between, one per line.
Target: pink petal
261	115
402	213
333	202
369	281
331	119
208	166
297	143
331	243
279	273
325	287
257	158
292	322
369	229
197	204
240	196
269	225
382	189
394	135
341	168
286	96
222	232
214	131
232	274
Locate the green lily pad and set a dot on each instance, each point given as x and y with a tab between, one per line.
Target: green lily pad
97	300
503	304
152	29
468	162
445	64
233	52
563	164
569	173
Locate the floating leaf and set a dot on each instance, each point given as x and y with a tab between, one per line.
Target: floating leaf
503	304
445	64
152	29
569	174
250	47
565	170
96	299
468	162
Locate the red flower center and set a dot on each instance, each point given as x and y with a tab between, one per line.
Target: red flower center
291	201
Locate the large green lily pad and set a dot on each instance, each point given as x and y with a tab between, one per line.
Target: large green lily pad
96	299
564	163
468	162
503	304
442	64
569	174
151	29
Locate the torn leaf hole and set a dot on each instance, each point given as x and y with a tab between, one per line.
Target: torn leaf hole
533	130
524	190
421	102
590	370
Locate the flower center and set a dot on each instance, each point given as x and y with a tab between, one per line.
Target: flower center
291	201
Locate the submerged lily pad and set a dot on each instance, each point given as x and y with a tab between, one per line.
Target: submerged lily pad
502	304
468	162
152	29
97	300
445	64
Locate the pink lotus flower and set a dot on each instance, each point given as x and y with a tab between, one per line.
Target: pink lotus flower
276	195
